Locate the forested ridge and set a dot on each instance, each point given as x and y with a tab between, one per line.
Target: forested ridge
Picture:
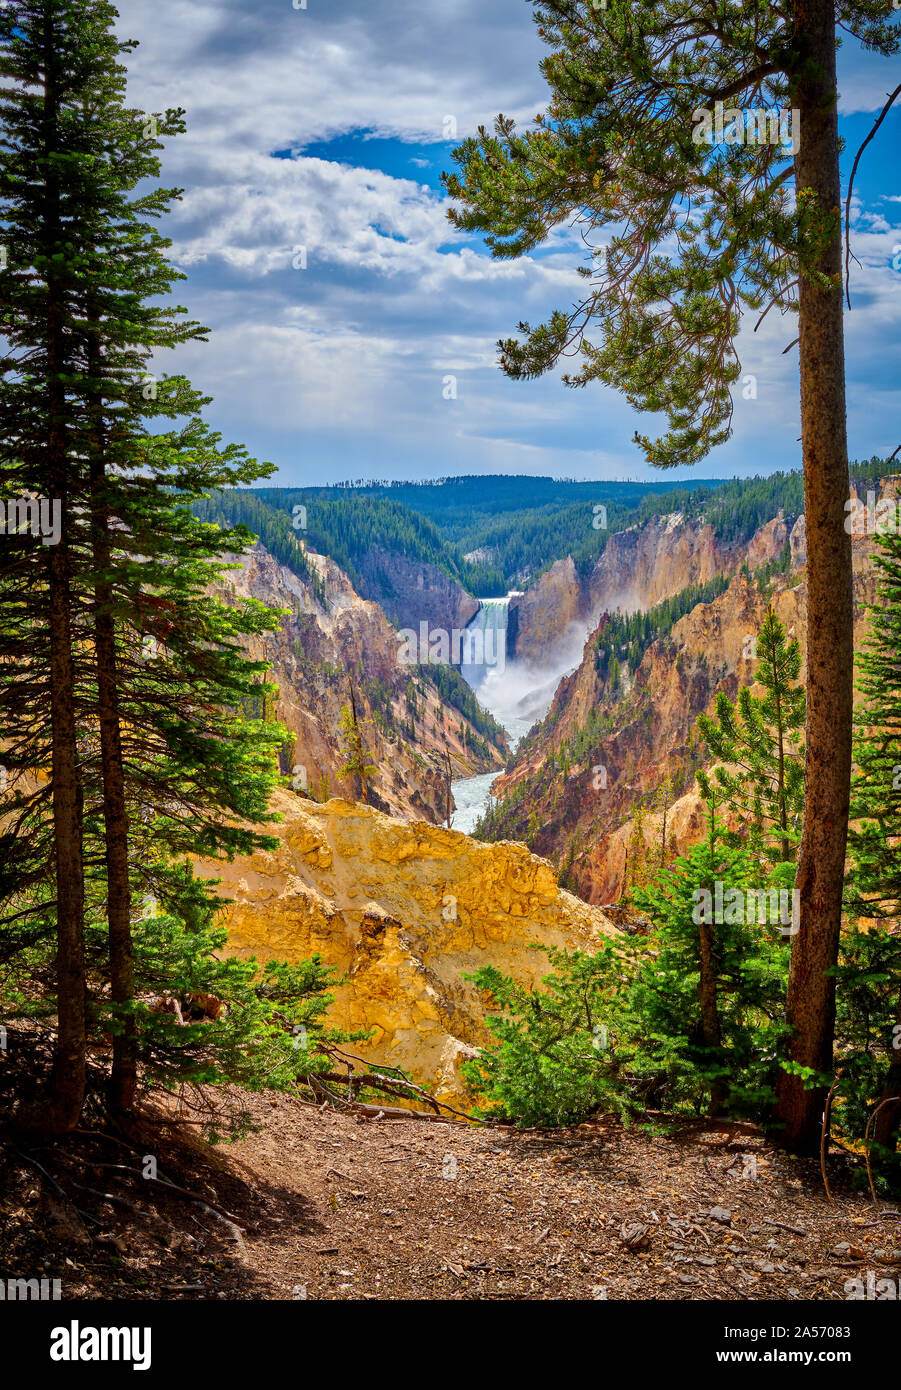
344	527
522	525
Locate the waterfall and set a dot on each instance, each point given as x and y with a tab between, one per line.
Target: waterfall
484	647
483	655
516	692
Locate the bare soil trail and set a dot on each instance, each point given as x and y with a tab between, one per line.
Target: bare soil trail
320	1204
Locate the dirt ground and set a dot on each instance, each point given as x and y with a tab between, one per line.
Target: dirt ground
324	1205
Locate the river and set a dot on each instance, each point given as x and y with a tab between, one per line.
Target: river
517	695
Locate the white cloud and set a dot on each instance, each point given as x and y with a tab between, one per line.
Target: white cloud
277	77
344	360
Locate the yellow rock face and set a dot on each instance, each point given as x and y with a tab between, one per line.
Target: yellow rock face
405	910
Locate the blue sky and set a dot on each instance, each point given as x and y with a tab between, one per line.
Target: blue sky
326	128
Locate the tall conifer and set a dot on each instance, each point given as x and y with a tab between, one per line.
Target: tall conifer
121	675
651	145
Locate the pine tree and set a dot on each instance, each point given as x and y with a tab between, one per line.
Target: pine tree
553	1063
37	421
756	741
620	146
356	762
877	783
637	853
870	997
660	803
687	1018
237	1021
130	672
710	992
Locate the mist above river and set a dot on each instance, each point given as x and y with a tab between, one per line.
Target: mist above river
520	693
517	693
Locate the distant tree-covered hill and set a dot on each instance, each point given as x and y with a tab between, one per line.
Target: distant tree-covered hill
344	526
739	507
462	507
517	526
496	532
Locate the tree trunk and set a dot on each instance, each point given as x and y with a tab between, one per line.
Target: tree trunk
780	776
711	1032
123	1084
69	1067
810	1003
711	1027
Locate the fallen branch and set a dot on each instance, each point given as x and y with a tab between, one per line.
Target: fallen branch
171	1187
153	1216
890	1100
382	1112
376	1083
784	1226
111	1138
120	1202
346	1176
826	1109
34	1164
233	1227
390	1085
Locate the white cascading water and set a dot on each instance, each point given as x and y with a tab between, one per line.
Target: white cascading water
516	694
485	642
487	634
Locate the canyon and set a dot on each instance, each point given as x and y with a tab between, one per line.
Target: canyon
637	568
405	908
601	752
324	646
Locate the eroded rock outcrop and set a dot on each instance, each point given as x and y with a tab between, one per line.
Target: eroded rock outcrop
545	614
412	592
405	910
638	567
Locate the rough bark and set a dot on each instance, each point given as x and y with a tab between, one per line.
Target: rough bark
69	1070
810	1005
123	1082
